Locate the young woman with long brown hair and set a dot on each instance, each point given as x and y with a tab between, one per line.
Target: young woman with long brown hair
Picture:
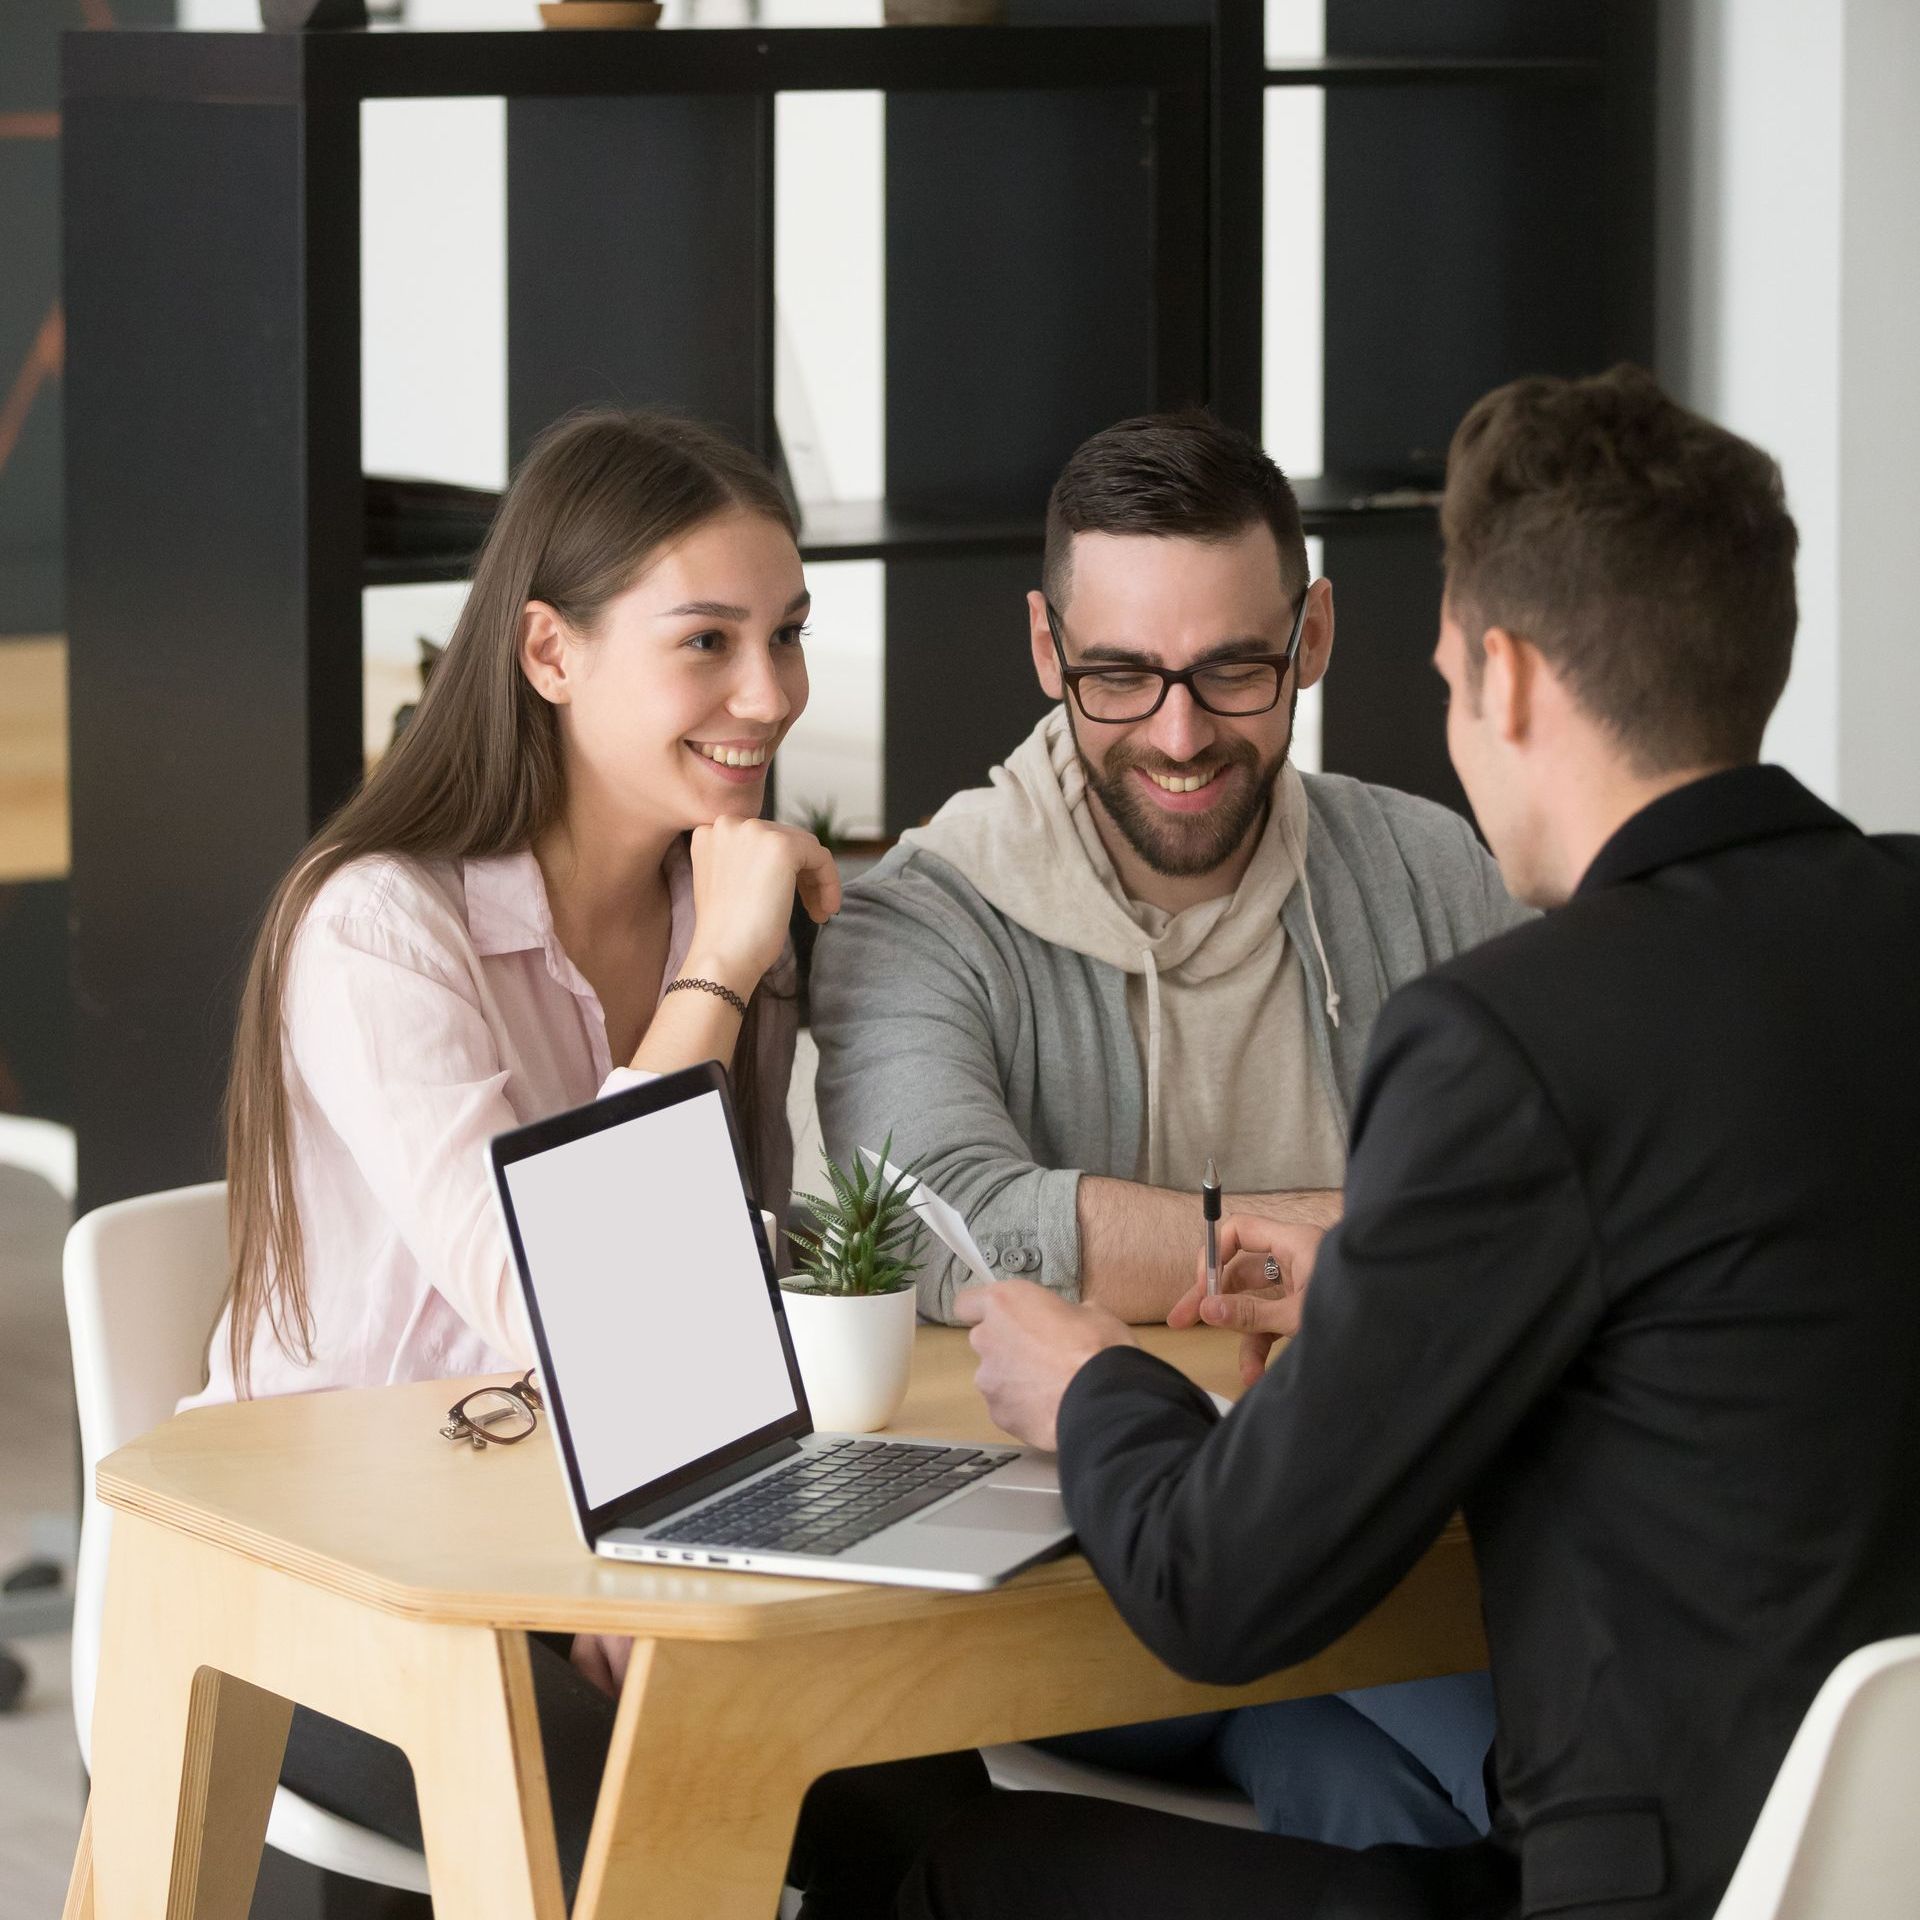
558	877
482	934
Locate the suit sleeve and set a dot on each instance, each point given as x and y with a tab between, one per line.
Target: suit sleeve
1460	1284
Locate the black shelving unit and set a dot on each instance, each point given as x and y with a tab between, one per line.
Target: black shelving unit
1050	193
1489	213
1073	234
1387	70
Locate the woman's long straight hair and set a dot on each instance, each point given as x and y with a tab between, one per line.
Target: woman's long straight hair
477	772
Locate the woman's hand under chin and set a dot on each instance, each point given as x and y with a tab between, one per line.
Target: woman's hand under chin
745	874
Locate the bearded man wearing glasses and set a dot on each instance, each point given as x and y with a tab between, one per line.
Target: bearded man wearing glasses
1150	941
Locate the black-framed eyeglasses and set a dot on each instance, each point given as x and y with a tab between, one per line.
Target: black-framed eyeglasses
1243	684
496	1416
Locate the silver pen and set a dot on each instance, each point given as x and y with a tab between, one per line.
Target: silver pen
1210	1208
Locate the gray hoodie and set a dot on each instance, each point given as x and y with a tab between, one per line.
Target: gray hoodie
1216	993
1007	1062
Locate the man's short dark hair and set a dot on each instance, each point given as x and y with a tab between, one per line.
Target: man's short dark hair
1183	476
1647	553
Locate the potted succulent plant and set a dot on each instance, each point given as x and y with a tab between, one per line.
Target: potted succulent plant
851	1305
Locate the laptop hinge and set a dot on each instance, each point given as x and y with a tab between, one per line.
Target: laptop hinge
706	1486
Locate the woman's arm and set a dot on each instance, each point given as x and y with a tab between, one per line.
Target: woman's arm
745	873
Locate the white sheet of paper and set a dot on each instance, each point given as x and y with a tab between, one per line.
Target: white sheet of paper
941	1220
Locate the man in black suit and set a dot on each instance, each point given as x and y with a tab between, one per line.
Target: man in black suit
1630	1263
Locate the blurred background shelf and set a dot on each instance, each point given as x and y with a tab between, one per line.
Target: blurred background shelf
33	760
222	533
1073	232
1382	70
407	546
329	68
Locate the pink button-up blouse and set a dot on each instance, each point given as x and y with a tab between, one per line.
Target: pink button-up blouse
429	1007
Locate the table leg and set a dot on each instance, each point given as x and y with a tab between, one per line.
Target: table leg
185	1759
478	1769
692	1819
79	1904
716	1742
204	1652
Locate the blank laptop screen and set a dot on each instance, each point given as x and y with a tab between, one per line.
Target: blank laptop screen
647	1272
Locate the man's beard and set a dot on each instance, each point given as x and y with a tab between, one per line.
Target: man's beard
1182	846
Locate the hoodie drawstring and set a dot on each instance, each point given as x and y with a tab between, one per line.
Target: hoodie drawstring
1153	1068
1313	925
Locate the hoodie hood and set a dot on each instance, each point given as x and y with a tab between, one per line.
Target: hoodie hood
1027	843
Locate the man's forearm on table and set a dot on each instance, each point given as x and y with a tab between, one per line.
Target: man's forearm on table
1138	1244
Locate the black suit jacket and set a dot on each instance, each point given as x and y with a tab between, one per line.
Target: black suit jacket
1630	1270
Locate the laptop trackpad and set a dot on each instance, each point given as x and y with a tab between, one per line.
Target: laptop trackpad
1002	1510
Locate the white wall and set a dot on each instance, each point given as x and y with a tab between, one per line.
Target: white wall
1789	269
829	393
1879	569
1293	280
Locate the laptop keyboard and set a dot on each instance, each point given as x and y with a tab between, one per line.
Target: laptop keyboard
831	1498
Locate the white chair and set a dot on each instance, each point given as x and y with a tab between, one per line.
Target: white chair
1024	1769
1838	1836
40	1147
144	1280
38	1599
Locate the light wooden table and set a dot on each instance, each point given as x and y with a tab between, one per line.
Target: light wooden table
331	1549
33	759
34	838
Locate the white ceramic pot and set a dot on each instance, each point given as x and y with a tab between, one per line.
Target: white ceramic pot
855	1353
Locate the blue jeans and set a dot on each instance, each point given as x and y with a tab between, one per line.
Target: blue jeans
1377	1766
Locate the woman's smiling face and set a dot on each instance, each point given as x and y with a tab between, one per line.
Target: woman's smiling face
671	709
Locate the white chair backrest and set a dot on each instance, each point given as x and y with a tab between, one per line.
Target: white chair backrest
1839	1834
144	1280
42	1147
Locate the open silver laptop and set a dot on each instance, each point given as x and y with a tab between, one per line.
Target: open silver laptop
669	1373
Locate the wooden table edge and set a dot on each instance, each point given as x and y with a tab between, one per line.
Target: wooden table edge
831	1606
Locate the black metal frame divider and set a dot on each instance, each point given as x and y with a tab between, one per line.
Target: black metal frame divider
1073	234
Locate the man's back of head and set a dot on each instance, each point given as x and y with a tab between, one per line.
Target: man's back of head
1619	610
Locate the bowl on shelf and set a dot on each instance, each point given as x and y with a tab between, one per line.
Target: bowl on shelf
600	13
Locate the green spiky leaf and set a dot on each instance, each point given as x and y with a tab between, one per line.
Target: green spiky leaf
864	1238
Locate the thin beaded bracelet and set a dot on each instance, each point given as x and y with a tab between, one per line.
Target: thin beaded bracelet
708	986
